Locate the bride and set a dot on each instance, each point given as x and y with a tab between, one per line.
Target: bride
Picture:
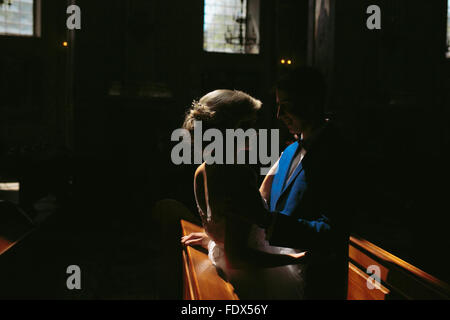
226	195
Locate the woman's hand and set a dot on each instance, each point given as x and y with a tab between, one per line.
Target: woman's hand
196	239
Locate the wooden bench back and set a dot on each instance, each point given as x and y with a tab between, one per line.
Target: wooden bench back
14	225
398	279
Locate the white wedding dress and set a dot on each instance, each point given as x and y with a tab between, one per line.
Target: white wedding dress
276	283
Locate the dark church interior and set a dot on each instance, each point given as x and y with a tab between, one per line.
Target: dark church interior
86	117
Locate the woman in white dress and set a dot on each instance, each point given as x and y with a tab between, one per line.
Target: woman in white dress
226	194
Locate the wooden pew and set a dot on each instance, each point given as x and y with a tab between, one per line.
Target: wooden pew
201	280
398	279
14	225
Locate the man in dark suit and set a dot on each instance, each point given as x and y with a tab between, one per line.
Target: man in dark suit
309	196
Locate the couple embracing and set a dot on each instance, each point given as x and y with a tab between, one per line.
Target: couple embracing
288	237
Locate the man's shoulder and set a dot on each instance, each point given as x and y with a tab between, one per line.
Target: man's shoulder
329	138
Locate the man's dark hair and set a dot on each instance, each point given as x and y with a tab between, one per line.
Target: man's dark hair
306	89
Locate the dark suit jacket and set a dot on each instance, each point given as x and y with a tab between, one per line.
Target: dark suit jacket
311	210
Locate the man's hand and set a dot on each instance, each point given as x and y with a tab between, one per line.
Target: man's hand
196	239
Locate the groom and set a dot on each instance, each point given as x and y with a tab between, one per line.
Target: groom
308	196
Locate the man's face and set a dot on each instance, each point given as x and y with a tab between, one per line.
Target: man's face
292	122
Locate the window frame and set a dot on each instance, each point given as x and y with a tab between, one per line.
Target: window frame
447	31
205	52
37	27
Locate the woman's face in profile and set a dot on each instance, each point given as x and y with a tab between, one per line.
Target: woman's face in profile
292	122
248	123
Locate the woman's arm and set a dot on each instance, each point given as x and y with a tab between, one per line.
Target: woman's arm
266	185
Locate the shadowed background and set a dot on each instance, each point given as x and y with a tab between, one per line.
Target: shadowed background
86	128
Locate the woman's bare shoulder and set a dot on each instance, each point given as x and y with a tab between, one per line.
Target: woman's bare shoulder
201	169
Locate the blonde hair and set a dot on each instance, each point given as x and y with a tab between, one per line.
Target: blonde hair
222	109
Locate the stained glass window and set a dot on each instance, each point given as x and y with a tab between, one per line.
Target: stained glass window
229	27
17	17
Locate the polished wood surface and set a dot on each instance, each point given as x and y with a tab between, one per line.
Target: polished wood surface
5	244
200	277
14	225
357	284
399	279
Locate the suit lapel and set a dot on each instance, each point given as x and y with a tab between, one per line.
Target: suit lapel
294	175
283	169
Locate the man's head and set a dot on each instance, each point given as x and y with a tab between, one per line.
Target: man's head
300	99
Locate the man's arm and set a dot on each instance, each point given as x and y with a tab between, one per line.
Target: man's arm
285	231
321	231
240	255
